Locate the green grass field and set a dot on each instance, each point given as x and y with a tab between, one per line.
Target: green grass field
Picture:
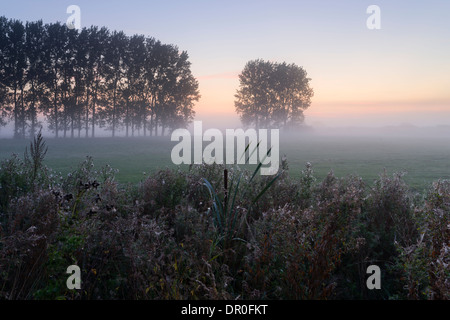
423	159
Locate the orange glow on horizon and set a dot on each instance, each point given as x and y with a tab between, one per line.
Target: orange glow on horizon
333	99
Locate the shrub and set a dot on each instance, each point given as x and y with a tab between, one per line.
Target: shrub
425	263
32	225
165	189
388	218
296	251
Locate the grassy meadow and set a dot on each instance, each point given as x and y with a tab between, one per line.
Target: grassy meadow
423	159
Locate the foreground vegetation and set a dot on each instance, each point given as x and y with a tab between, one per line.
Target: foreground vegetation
211	233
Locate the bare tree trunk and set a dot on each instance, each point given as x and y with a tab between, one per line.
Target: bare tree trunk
33	113
127	118
55	101
145	126
87	114
16	115
72	115
22	114
33	119
114	114
151	125
65	107
94	102
93	121
65	118
79	124
79	109
71	127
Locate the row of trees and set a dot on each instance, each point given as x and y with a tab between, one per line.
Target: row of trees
273	94
94	77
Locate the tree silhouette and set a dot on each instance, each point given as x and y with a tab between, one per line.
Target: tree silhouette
272	94
89	78
4	94
13	76
54	50
36	95
114	74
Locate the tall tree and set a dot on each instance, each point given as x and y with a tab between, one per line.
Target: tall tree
175	89
37	94
98	41
186	93
81	57
114	76
134	60
273	94
86	62
55	42
5	107
14	63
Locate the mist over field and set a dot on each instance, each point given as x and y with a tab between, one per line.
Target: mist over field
422	153
224	150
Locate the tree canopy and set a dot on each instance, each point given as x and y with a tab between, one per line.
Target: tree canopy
273	94
94	77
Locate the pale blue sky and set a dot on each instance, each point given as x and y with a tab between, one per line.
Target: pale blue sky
400	73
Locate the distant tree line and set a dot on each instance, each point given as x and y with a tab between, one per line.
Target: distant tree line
78	80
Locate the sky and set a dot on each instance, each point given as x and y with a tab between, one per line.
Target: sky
399	74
